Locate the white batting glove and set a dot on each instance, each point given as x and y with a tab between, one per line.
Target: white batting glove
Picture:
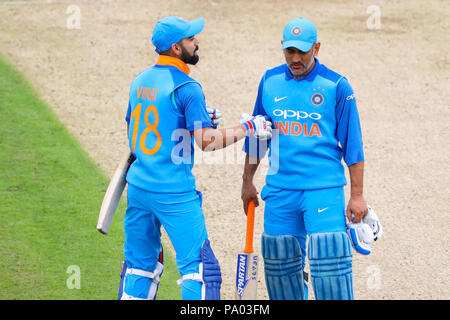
371	219
245	117
215	116
361	237
362	234
257	126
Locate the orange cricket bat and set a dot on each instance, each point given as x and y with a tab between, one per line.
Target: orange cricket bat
247	262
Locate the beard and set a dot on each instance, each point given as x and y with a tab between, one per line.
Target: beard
188	58
305	67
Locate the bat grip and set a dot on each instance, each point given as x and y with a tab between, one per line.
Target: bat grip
250	224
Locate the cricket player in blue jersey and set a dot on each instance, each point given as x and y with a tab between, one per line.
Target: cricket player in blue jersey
315	125
166	114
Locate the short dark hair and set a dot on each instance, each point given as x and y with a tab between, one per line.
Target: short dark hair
167	52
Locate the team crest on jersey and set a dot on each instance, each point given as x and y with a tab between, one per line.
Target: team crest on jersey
317	99
296	31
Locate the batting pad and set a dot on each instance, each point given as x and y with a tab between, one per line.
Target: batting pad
136	284
330	259
283	267
209	276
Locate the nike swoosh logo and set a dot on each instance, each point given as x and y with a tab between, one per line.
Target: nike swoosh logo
279	99
321	210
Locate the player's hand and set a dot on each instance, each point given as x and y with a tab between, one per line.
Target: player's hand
215	116
263	128
258	125
356	208
248	193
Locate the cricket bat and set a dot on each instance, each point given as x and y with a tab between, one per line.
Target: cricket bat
114	193
247	262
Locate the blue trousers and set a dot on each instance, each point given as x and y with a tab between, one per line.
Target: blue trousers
301	213
182	217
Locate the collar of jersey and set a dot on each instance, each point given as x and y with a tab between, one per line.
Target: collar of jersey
174	62
310	76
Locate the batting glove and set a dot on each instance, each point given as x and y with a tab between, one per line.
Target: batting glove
215	116
364	233
245	117
361	237
258	126
371	219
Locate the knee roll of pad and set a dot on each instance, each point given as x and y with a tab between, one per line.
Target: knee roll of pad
209	274
283	267
212	277
330	258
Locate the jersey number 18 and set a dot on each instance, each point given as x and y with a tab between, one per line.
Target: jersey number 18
149	128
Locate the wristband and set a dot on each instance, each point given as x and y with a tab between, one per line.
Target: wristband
250	126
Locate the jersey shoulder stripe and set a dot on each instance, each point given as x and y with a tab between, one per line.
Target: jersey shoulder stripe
281	69
329	74
180	78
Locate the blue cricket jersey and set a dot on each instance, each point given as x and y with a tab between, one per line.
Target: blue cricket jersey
315	125
165	106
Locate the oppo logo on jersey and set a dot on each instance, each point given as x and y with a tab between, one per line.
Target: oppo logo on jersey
296	114
294	128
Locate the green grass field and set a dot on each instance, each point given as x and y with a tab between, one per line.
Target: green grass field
50	195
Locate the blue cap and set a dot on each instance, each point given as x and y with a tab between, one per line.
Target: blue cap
170	30
299	33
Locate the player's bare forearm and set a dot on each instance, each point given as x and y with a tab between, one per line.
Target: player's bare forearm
357	204
356	172
249	191
250	167
209	139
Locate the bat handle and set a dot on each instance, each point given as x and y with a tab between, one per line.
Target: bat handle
250	224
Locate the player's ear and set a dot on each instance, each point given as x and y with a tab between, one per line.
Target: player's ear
316	48
176	50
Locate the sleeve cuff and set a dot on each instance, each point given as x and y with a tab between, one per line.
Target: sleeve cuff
199	125
352	159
